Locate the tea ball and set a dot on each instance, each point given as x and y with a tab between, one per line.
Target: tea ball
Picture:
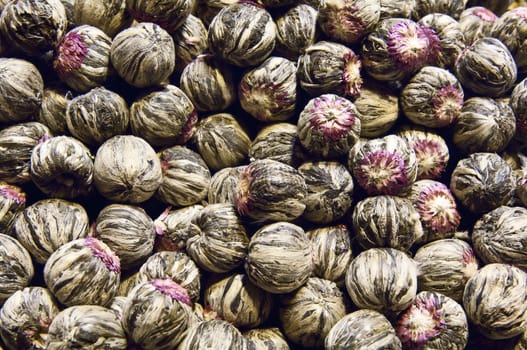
510	28
450	7
173	228
12	203
52	111
143	55
296	29
476	22
169	14
397	9
518	103
127	169
266	339
223	185
16	267
111	16
213	334
190	41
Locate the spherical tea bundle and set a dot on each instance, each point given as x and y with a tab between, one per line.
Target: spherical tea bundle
221	141
433	98
83	271
49	223
386	165
208	83
497	7
143	55
237	300
486	67
25	318
163	117
445	266
362	329
476	23
265	339
169	14
173	228
278	141
296	30
518	103
328	126
190	41
397	9
382	279
329	191
510	28
495	301
52	111
33	26
270	191
329	68
157	314
186	176
86	326
482	182
109	15
218	241
213	334
386	221
433	321
82	58
21	89
223	185
96	116
16	267
484	125
452	8
279	258
268	92
242	34
12	203
62	167
176	266
127	169
397	48
128	231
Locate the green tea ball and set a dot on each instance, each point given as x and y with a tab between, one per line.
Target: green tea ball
510	29
127	169
207	9
143	55
109	15
223	185
82	58
49	223
53	110
12	203
450	7
169	14
163	117
296	30
476	23
83	271
186	177
397	9
242	34
279	258
21	88
266	339
86	326
16	267
213	334
518	103
62	167
190	41
173	228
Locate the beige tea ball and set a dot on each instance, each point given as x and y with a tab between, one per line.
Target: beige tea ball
173	228
213	334
109	15
16	267
266	339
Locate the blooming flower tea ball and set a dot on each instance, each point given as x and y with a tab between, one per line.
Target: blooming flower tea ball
169	14
109	15
296	29
12	203
213	334
476	22
173	228
190	41
16	267
52	111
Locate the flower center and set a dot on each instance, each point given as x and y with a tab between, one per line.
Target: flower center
420	323
437	209
71	53
333	117
485	14
244	198
13	193
351	74
431	159
105	255
382	171
172	289
447	104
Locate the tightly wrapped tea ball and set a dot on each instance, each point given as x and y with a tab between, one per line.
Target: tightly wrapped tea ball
127	169
296	30
242	34
21	89
482	182
208	83
186	176
268	92
223	185
218	241
12	203
49	223
382	279
397	48
510	29
397	9
96	116
173	228
476	23
495	301
163	117
362	329
486	68
221	141
348	21
25	318
266	339
238	301
82	58
207	9
190	41
169	14
484	125
109	15
83	271
452	8
497	7
213	334
432	98
128	231
518	103
33	26
328	126
329	191
445	266
86	327
329	68
378	108
157	314
143	55
385	165
386	221
176	266
270	191
16	267
279	258
52	111
433	321
62	167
